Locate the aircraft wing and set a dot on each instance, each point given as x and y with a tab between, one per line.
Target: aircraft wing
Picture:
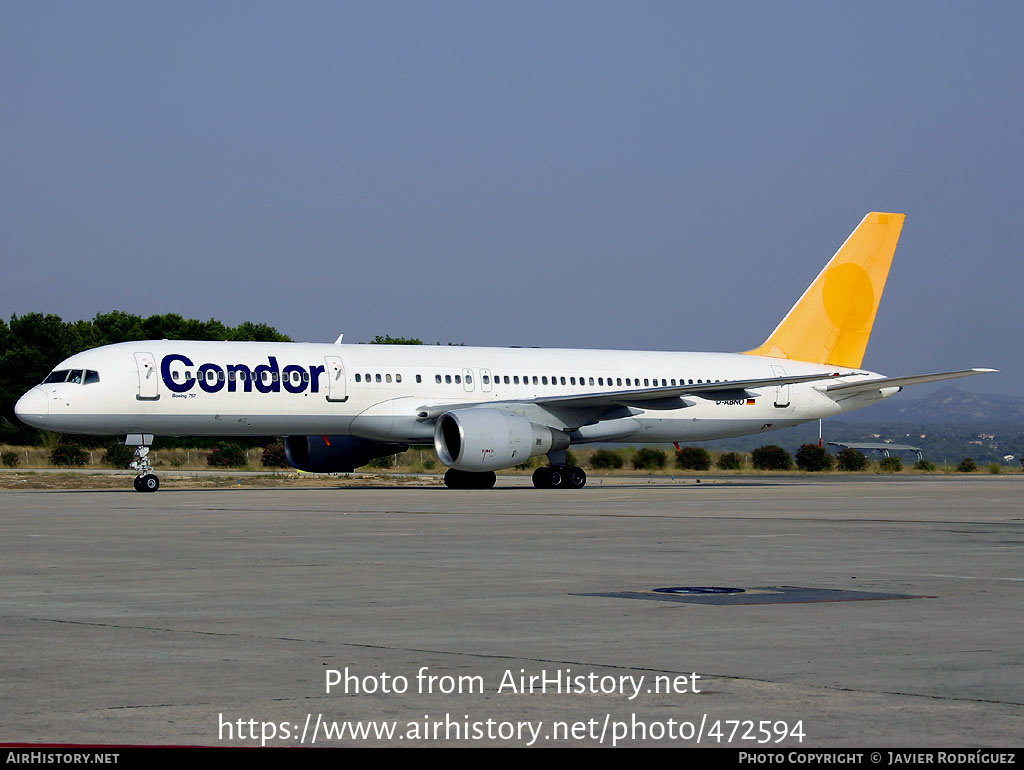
899	382
667	397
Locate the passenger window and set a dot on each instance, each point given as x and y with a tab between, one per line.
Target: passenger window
398	378
448	379
387	378
506	379
175	376
469	379
359	377
437	378
544	380
419	378
618	380
562	380
377	377
535	379
458	379
515	380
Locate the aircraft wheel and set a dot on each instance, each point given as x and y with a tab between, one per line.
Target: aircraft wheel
149	483
137	481
557	477
454	479
542	478
576	478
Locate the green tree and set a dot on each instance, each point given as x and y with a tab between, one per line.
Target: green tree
604	459
694	458
730	461
813	458
274	456
67	454
771	458
118	455
226	455
893	464
851	460
967	465
387	339
648	459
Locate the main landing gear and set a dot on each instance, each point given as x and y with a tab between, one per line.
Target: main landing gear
146	481
454	479
559	477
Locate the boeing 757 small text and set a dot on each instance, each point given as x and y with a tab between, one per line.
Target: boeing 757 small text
339	406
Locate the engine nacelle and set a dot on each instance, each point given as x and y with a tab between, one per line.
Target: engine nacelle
335	454
489	439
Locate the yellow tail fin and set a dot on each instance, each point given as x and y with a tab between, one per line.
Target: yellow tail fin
831	322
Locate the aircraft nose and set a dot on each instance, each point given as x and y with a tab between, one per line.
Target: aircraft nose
33	408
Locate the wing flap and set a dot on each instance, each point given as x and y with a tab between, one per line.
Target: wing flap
666	397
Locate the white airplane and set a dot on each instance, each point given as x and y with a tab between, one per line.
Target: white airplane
339	406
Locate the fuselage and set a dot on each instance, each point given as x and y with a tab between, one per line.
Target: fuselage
171	387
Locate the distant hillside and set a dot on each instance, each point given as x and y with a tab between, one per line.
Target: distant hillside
948	425
948	406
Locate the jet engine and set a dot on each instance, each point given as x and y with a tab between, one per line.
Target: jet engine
335	454
488	439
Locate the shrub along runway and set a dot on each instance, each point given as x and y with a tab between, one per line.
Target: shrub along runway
155	618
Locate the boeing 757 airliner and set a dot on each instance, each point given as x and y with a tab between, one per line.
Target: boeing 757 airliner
339	406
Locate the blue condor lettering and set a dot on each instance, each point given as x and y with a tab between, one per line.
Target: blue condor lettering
267	377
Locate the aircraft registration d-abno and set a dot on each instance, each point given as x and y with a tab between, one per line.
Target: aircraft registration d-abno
340	406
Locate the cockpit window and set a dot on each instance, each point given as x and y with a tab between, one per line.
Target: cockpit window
77	376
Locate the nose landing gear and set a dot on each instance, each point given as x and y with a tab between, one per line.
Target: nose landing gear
146	481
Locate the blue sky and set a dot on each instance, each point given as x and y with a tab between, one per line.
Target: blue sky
630	175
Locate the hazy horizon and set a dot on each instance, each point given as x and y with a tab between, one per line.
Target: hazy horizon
659	175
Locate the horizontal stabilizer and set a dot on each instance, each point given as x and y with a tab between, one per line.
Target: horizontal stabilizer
899	382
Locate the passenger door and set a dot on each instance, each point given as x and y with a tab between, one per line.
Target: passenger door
337	381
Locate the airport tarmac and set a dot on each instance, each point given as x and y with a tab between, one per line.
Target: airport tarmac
873	611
